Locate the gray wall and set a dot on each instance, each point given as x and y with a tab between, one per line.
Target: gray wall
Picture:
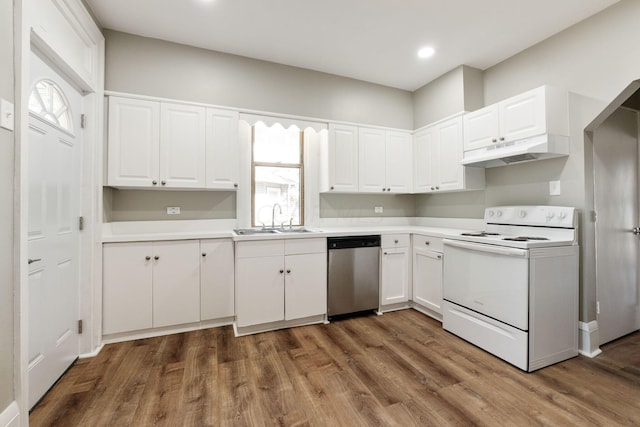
158	68
362	205
461	89
6	209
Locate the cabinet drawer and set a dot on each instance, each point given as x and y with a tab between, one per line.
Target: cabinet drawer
305	246
429	242
258	248
395	241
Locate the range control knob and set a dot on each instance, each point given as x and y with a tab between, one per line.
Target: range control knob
550	215
523	214
491	213
498	214
562	215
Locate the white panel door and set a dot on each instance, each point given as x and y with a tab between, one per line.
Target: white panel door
259	290
176	282
523	115
216	279
223	158
615	164
425	160
343	158
394	276
450	145
399	162
127	287
133	143
53	243
427	278
182	146
481	127
371	165
305	291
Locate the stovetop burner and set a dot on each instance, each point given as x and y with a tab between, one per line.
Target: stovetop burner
479	234
524	238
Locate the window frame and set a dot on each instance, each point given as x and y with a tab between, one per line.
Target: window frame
299	166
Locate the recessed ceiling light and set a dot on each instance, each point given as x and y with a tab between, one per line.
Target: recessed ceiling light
426	52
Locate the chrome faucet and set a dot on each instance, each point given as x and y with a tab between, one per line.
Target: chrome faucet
273	214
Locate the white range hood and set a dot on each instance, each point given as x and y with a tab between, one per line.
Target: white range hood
524	150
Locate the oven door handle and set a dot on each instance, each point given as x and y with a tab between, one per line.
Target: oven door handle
499	250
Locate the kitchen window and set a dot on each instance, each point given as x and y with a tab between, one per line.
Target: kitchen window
277	175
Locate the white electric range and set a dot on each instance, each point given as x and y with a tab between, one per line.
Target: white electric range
512	288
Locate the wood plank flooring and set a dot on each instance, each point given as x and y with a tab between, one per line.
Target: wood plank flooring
399	369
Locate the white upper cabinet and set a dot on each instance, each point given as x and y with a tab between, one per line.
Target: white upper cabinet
154	144
535	112
437	155
222	149
385	161
343	159
134	143
182	146
372	160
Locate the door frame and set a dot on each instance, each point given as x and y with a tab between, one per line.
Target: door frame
30	34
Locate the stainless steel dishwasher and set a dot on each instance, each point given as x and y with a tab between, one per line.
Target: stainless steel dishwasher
354	274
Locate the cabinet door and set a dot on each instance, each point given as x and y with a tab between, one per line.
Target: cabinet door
176	282
343	158
259	290
223	159
133	143
481	127
427	279
450	145
126	287
399	162
523	116
216	279
394	276
305	291
372	160
425	160
182	146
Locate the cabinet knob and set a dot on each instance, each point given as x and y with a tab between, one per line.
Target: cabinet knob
427	242
281	271
147	257
432	188
163	182
288	271
395	241
156	257
384	189
386	253
494	140
235	184
439	256
502	138
437	188
154	182
204	254
388	189
332	187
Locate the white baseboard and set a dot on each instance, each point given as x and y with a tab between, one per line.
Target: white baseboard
10	416
589	340
93	353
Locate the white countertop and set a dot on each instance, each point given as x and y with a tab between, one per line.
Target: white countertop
159	230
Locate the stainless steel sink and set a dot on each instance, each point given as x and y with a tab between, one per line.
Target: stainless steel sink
253	231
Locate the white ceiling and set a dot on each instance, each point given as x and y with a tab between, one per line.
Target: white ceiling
371	40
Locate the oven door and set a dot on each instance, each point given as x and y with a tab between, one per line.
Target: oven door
488	279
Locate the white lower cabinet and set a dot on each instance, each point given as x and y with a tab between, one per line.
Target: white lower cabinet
217	299
394	270
159	284
427	273
278	280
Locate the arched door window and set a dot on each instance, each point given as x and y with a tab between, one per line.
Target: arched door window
48	101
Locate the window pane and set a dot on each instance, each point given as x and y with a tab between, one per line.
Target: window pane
277	185
276	144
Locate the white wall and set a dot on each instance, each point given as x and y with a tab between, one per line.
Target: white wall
6	210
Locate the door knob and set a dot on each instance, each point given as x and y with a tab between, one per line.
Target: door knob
31	261
636	231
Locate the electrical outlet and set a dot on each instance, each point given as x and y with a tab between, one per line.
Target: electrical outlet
173	210
378	209
554	188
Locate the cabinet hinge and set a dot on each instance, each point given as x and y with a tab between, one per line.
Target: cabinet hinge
594	216
83	121
81	223
80	326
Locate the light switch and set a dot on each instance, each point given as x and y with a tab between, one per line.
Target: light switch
554	188
6	114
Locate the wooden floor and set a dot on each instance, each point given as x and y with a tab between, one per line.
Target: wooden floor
397	369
